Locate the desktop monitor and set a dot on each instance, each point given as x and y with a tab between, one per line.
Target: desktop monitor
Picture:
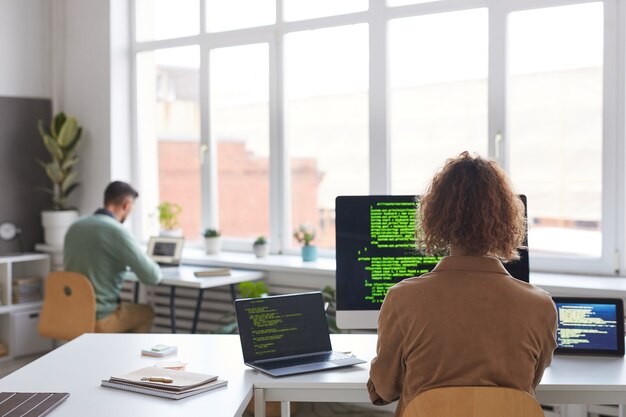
375	244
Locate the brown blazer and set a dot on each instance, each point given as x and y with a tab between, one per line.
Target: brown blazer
468	322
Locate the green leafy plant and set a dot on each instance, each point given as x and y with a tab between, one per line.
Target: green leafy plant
260	240
304	235
252	289
211	233
168	214
61	141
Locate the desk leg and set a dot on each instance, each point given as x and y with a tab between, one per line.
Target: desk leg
233	295
173	307
136	295
259	403
194	325
285	409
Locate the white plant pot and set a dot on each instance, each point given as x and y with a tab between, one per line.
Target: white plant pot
55	224
261	251
212	245
171	232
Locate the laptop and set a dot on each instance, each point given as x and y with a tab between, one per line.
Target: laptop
166	251
287	335
590	326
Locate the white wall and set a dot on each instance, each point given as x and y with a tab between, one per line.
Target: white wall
89	87
25	57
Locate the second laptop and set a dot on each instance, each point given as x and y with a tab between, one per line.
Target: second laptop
287	334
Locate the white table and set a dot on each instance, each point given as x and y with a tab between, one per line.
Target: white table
79	366
183	276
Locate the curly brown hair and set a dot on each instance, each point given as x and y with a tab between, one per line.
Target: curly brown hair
470	205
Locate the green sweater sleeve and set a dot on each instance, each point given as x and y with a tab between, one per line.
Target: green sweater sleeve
146	270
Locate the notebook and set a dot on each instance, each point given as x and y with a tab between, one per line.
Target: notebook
590	326
184	384
30	404
164	393
287	334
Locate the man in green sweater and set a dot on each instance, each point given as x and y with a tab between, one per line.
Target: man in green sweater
99	247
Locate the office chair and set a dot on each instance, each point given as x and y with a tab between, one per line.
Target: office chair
69	306
473	402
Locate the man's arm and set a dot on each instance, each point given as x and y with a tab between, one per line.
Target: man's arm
387	369
146	270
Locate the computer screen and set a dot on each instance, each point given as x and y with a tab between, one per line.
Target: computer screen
166	250
375	249
590	326
283	325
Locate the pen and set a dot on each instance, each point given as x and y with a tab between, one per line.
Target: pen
165	379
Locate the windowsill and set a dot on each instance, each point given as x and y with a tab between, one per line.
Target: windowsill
555	283
580	285
270	263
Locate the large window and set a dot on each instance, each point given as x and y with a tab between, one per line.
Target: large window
168	124
255	114
326	82
555	125
239	96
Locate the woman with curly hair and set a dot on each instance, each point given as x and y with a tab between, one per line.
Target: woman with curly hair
468	322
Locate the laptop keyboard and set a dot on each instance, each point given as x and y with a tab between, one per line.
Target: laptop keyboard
304	360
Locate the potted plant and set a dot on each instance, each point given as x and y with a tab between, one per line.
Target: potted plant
260	247
305	235
61	140
211	241
168	219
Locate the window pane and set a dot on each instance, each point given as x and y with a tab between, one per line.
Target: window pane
307	9
224	15
165	19
239	94
168	122
326	88
438	75
555	125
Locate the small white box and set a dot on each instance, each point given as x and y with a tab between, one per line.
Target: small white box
25	338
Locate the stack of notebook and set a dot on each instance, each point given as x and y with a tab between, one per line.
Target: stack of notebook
26	290
166	383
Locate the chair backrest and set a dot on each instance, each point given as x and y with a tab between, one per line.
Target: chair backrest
473	402
69	306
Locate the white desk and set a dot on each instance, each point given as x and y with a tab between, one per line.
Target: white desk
79	366
183	276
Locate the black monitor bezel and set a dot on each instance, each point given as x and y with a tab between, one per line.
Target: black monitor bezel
618	303
341	305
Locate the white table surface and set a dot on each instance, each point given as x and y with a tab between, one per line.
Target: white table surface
183	276
79	366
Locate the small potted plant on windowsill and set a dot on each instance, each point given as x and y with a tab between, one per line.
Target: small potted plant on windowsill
168	218
305	235
212	241
260	247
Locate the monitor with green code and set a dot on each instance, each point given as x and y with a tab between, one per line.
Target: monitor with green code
376	249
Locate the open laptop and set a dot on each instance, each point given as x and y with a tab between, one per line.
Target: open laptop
590	326
287	334
166	251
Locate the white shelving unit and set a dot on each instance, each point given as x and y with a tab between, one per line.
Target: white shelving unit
18	322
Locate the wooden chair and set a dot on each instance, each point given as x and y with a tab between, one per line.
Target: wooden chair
473	402
69	306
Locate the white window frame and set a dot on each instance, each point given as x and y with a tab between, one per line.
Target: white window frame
378	17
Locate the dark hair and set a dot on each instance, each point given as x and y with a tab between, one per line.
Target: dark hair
470	204
117	191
